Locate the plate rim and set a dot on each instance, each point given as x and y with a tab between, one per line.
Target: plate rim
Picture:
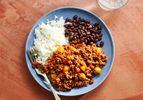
71	7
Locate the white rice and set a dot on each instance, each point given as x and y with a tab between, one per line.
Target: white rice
49	37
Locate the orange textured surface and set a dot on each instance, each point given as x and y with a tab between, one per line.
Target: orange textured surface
125	81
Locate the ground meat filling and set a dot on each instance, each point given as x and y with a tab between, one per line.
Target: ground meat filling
73	65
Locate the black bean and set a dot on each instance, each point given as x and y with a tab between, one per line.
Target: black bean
71	33
83	27
81	36
91	42
68	20
92	30
96	24
79	18
70	39
79	31
84	34
100	35
72	28
93	34
99	27
78	36
99	39
85	31
82	23
82	20
87	21
66	34
80	26
89	39
85	40
69	29
88	42
75	34
82	30
66	25
96	36
74	24
75	17
99	31
66	31
75	30
96	28
96	40
88	33
101	44
92	39
97	44
90	26
74	21
69	25
74	37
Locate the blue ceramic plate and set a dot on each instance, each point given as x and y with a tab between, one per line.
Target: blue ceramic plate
108	47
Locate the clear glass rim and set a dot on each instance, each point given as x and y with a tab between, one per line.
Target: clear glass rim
107	8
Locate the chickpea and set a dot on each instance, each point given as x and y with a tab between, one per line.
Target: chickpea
66	68
83	67
60	49
97	70
72	48
99	50
82	77
53	76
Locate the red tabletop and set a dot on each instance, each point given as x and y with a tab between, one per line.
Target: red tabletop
125	81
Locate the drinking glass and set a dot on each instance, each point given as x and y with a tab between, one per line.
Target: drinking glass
111	4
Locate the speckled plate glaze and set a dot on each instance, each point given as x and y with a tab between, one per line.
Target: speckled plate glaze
108	47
